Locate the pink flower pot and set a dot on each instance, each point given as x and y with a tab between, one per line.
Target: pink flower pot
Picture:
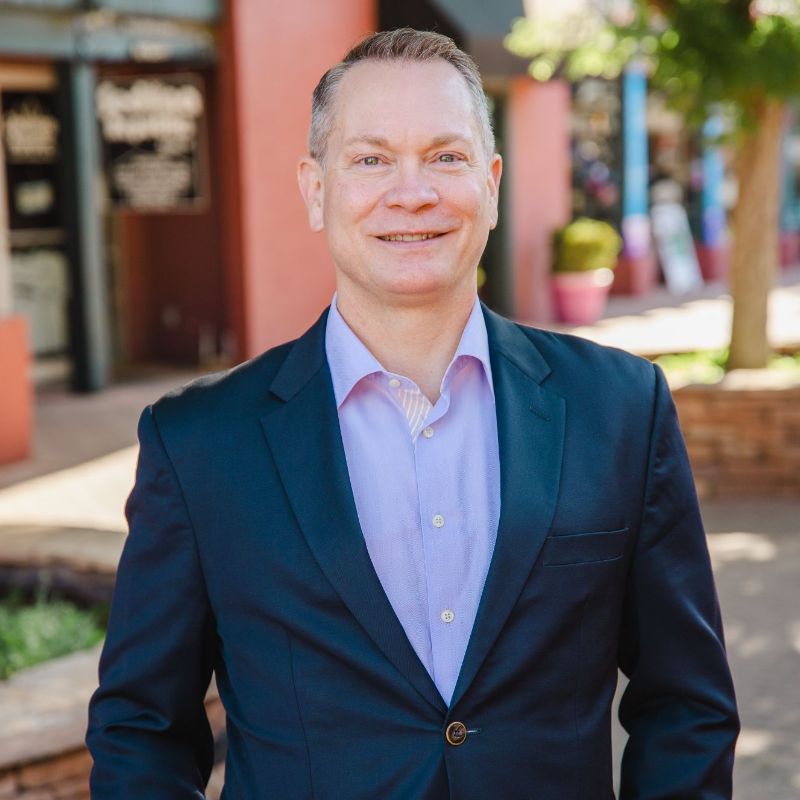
579	298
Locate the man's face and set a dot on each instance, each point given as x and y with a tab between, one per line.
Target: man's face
407	196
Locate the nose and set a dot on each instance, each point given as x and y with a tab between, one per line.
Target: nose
412	189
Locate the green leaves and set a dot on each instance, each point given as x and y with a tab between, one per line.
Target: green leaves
585	244
704	54
30	634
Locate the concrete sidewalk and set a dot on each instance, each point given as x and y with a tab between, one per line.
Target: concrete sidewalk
73	429
755	553
755	550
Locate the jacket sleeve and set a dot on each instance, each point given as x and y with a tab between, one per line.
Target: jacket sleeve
679	707
148	732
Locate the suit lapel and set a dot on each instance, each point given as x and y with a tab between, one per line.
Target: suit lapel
304	437
530	430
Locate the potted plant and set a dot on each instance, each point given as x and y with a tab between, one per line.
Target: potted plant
584	255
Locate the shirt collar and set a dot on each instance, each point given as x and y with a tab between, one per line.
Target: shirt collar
350	360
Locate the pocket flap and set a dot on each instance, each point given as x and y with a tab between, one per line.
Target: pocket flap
583	548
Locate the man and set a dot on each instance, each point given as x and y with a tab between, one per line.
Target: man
415	544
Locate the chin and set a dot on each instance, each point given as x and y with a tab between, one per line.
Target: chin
420	294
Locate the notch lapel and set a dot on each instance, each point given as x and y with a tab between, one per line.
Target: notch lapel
530	430
304	437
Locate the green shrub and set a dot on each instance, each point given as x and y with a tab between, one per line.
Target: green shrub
585	244
708	366
702	366
30	634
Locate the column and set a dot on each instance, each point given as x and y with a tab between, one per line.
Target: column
90	326
636	273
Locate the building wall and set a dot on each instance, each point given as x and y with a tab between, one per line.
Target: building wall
538	162
272	55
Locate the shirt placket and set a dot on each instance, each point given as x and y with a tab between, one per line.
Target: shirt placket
440	523
439	526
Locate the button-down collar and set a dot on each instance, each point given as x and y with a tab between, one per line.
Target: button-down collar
350	361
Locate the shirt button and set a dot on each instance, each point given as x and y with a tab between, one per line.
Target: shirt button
438	521
447	616
427	432
394	383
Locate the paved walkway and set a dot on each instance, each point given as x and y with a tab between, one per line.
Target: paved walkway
65	506
755	552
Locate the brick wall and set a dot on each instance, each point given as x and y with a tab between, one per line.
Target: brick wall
743	434
64	777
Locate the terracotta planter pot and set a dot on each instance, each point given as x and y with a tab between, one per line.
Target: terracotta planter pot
713	262
16	397
579	298
635	275
789	248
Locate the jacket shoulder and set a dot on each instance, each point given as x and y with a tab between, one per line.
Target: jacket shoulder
222	395
578	362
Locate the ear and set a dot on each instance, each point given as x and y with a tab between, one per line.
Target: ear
493	180
309	177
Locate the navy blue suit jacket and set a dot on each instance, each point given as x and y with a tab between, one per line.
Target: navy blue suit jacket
245	557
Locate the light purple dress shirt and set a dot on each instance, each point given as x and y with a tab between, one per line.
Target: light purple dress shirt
426	483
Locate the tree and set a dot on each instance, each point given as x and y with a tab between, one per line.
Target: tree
737	57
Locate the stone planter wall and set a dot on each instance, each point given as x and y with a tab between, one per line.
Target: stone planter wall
42	754
44	708
64	777
743	434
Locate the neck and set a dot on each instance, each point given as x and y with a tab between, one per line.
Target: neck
416	341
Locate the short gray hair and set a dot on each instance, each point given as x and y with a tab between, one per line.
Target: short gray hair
403	44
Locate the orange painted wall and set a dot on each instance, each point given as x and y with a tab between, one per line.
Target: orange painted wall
16	395
538	171
272	55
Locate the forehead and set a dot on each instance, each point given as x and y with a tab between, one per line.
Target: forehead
403	98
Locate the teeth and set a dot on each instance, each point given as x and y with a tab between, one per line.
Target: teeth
408	237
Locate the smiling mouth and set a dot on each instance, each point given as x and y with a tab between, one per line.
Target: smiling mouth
409	237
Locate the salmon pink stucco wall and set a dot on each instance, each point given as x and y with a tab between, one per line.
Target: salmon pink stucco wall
272	55
539	173
16	397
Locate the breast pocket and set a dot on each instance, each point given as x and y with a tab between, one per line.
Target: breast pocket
584	548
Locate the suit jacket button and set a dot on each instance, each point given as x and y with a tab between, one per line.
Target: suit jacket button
456	733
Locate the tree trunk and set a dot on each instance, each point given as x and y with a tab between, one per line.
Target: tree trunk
755	237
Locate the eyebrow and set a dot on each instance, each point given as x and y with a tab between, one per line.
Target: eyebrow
380	141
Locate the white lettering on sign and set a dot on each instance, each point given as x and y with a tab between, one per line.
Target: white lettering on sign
151	180
31	134
149	110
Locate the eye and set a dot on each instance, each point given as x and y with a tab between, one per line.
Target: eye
449	158
369	161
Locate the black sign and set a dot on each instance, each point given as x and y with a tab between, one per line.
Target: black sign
30	145
154	133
